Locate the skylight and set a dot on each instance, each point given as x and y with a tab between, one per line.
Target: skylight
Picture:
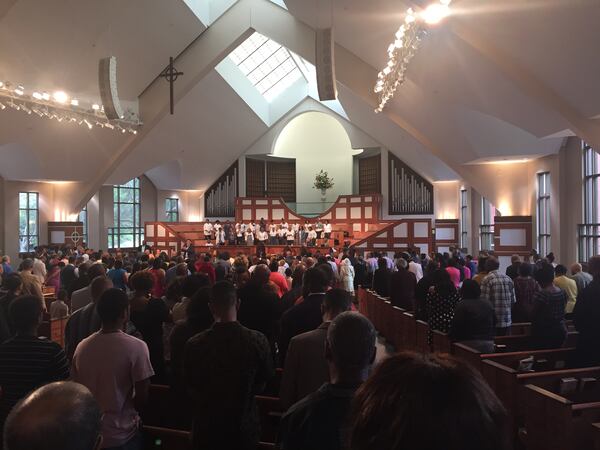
268	65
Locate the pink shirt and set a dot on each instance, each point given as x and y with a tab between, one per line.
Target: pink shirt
109	365
454	275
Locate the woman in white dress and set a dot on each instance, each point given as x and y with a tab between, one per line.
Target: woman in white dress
347	276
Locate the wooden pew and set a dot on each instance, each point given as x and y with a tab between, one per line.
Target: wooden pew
422	332
158	438
409	332
553	422
517	343
270	412
387	321
441	342
596	435
508	383
397	327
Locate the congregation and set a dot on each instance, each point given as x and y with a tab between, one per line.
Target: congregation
215	327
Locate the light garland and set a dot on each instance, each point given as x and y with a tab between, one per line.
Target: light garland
62	107
403	49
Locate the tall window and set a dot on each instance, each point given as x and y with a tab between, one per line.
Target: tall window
486	229
543	212
172	209
589	231
127	232
83	218
464	219
28	221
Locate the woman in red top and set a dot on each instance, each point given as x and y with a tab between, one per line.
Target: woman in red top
205	266
158	275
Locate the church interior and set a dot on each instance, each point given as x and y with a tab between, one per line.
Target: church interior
438	158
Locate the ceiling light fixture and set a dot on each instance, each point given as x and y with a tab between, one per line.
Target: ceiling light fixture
403	49
435	13
60	97
62	107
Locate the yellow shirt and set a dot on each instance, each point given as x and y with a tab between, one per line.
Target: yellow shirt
479	277
570	287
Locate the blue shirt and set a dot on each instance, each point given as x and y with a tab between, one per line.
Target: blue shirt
6	269
117	276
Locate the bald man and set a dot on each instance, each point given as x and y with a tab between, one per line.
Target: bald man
61	415
582	279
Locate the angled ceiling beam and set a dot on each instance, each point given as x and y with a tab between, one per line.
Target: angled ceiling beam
530	84
196	61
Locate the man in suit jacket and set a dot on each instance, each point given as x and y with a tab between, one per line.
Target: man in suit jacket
305	368
305	316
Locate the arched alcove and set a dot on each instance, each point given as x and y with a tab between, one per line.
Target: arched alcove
317	141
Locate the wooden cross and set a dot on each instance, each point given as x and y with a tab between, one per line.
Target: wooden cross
170	74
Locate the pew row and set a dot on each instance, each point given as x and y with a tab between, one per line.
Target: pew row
553	422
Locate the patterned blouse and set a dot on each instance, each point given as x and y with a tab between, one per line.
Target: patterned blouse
439	311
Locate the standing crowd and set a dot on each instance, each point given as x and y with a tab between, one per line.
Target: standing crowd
214	327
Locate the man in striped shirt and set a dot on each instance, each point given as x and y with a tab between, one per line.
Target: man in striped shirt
26	361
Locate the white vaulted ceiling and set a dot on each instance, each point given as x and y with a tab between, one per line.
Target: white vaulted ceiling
495	80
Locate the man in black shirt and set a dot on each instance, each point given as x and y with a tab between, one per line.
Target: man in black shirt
26	361
319	421
224	368
474	321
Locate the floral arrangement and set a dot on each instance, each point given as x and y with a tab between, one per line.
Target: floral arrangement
322	181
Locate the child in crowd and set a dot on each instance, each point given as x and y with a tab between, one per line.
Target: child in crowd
58	308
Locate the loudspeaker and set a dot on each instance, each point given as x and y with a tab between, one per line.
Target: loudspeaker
325	64
107	81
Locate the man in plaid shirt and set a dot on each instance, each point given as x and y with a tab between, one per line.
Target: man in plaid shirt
499	290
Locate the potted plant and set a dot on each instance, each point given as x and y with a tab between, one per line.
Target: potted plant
323	182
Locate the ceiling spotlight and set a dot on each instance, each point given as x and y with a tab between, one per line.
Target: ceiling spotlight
26	109
45	96
435	13
37	95
74	102
1	84
19	90
88	124
95	107
109	125
60	96
2	106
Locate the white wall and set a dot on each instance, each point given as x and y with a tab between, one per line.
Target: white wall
446	199
189	205
317	141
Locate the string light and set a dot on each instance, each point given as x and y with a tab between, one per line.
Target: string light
62	107
406	43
